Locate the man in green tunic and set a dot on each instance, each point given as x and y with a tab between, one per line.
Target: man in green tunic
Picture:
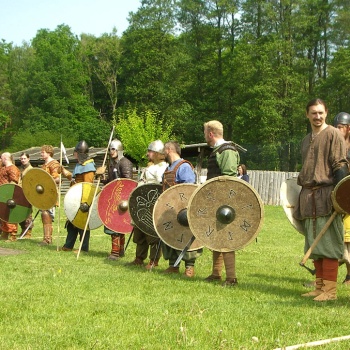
324	165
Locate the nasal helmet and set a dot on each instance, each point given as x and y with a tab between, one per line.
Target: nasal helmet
82	147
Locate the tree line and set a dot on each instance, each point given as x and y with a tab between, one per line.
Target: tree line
252	64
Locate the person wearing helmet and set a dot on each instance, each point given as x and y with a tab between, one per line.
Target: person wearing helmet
84	171
119	167
52	167
342	122
153	173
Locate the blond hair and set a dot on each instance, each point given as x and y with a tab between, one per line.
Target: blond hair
215	127
48	149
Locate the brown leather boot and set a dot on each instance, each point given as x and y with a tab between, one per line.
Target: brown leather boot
12	237
28	234
189	271
318	289
218	262
115	252
329	291
47	227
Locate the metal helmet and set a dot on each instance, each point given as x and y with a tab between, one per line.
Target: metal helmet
118	146
341	118
156	146
82	147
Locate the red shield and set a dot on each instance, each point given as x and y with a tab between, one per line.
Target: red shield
113	205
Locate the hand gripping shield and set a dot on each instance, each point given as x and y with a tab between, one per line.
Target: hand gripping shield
77	202
170	217
225	213
141	204
14	207
40	189
113	205
289	195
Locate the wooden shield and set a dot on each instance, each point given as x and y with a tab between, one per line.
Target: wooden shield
77	202
170	217
141	204
289	195
113	205
225	213
340	196
40	189
14	207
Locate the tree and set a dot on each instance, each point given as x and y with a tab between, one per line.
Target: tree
146	127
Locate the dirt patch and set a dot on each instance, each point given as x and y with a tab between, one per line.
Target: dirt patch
7	251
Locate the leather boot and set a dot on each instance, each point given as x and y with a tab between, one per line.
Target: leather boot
318	289
12	237
218	262
230	267
28	234
329	291
151	264
47	227
115	252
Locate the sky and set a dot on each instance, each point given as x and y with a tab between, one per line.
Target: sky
21	19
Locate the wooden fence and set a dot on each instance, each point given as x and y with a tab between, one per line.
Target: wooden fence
266	183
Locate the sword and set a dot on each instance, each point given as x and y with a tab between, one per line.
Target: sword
26	230
127	243
184	251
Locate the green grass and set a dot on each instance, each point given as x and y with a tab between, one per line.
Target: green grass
51	300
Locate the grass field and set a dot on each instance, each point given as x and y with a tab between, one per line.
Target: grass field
51	300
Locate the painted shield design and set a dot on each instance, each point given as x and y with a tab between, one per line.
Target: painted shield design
14	206
78	201
113	205
225	213
40	189
289	195
170	217
141	204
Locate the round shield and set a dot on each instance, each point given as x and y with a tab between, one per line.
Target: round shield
141	204
225	213
289	195
77	202
170	217
40	189
340	196
113	205
14	207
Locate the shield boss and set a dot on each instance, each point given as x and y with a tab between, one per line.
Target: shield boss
225	213
77	202
289	195
40	189
14	207
113	205
141	204
170	217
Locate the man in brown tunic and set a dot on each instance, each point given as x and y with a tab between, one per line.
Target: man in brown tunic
324	165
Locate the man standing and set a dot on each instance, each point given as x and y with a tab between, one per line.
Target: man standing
119	167
84	171
52	167
223	160
324	165
9	173
342	122
25	167
153	174
179	171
